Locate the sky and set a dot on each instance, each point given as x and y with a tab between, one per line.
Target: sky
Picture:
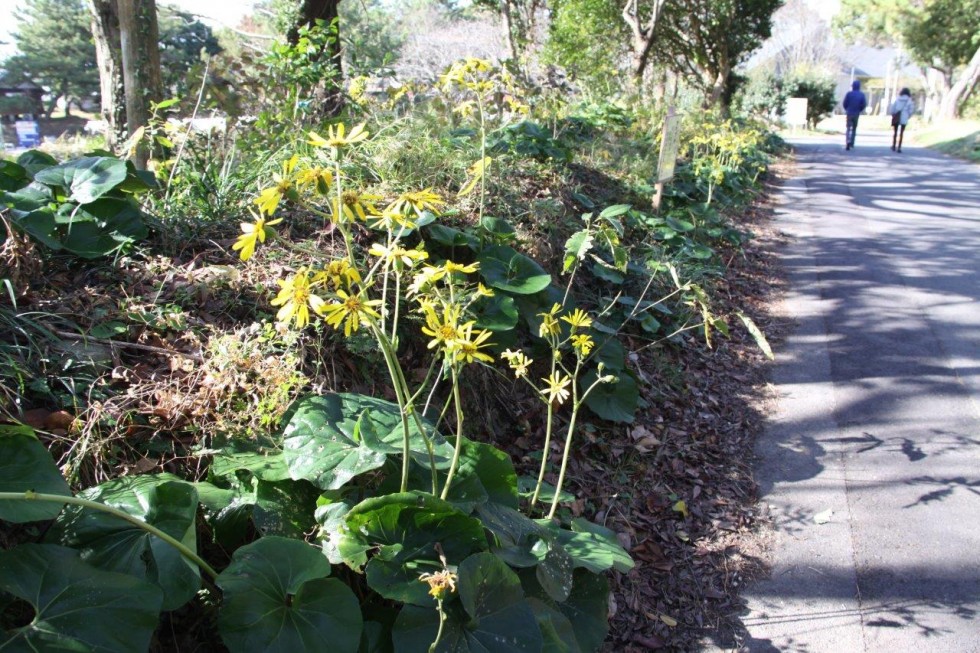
217	12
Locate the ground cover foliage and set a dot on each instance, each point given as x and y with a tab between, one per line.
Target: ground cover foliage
432	374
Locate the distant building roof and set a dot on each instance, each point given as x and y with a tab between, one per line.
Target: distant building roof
874	62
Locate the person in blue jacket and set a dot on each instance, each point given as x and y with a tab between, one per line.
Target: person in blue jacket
854	105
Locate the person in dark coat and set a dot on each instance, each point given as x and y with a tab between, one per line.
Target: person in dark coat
854	104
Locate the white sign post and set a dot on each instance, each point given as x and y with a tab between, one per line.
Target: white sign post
796	112
670	142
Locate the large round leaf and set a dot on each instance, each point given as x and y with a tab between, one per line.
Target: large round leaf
591	546
110	543
556	629
485	474
495	617
507	269
404	531
77	607
497	313
587	610
86	179
616	401
26	465
277	597
322	441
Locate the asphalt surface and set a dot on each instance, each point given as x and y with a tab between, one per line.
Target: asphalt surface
870	465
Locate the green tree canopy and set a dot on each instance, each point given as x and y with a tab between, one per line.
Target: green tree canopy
587	37
183	42
944	32
706	39
56	50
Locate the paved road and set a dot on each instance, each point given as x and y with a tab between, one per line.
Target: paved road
877	431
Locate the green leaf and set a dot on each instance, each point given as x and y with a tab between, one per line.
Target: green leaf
504	268
679	225
615	210
109	329
320	443
403	529
498	228
576	248
757	335
607	272
86	179
277	597
556	629
590	546
497	313
261	458
497	617
34	161
526	485
586	609
32	197
284	508
450	237
27	466
555	572
616	401
77	607
228	511
12	176
110	543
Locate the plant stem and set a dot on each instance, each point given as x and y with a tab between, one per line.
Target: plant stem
549	426
94	505
576	406
442	622
400	395
459	434
544	455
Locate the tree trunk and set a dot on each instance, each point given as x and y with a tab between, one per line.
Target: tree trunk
105	32
139	40
506	10
641	43
328	93
961	89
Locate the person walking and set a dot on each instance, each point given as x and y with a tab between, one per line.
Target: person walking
854	105
901	110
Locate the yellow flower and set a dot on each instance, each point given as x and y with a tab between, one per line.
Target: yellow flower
352	310
341	274
557	389
549	324
445	331
579	319
296	298
269	198
253	234
583	344
353	205
336	137
418	201
467	347
476	171
428	274
483	291
440	583
319	178
399	256
517	361
451	267
389	219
